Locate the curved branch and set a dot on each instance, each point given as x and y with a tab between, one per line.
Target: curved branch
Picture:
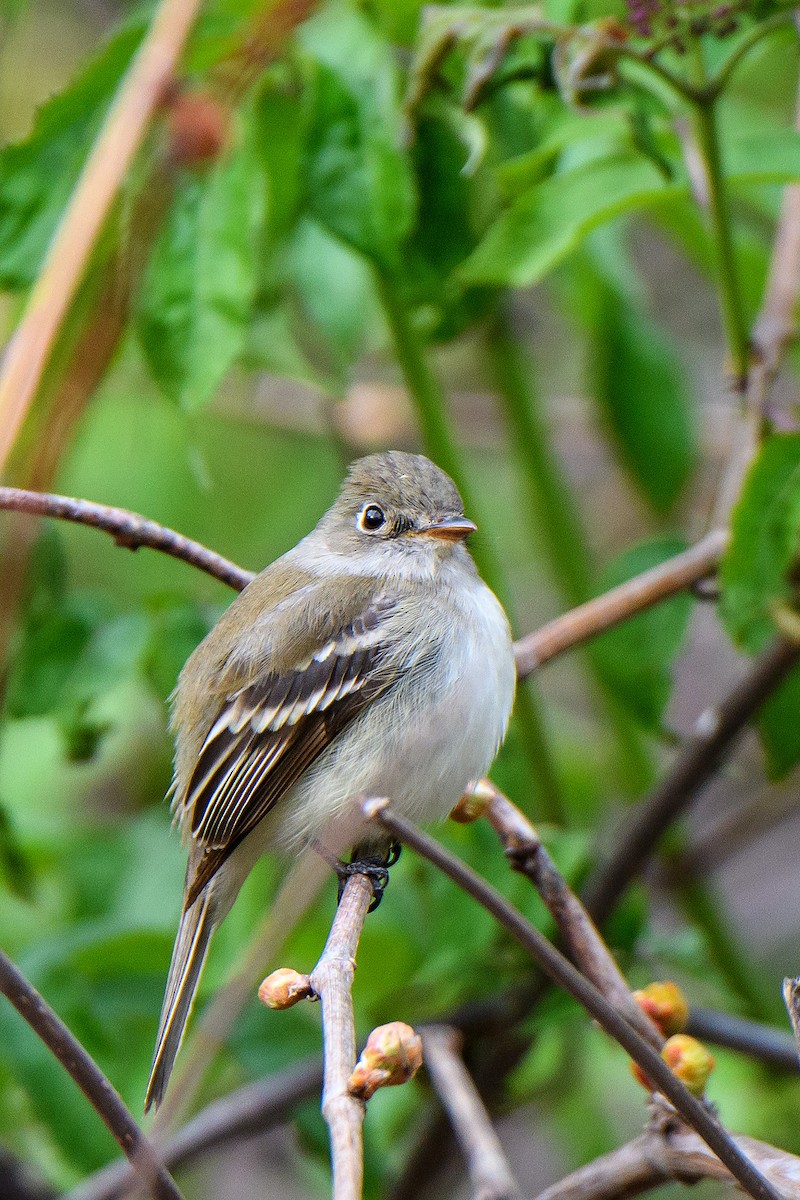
128	529
563	973
89	1078
249	1110
643	591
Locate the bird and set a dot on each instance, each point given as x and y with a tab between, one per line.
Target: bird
369	660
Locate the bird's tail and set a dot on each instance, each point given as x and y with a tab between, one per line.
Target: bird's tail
188	957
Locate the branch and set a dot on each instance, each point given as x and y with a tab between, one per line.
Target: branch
488	1169
141	92
772	1046
668	1151
128	529
712	738
332	980
651	587
249	1110
89	1078
584	944
563	973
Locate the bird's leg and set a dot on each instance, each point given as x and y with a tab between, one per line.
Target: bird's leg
374	866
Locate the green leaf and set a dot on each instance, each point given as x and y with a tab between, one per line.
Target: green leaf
547	223
636	657
38	175
637	379
755	573
772	156
358	178
779	727
197	295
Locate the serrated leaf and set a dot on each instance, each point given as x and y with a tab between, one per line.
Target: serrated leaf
358	177
765	534
637	656
37	175
197	295
547	223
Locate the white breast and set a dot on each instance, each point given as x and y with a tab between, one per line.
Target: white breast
425	741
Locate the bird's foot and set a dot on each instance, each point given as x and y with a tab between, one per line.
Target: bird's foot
376	869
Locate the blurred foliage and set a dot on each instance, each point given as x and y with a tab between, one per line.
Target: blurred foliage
365	207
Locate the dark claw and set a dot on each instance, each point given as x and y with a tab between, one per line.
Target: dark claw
375	869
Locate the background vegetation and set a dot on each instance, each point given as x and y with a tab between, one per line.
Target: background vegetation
534	243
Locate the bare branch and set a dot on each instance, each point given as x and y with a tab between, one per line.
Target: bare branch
668	1151
249	1110
773	1046
563	973
583	942
128	529
489	1172
713	736
595	616
332	980
791	997
90	1079
141	92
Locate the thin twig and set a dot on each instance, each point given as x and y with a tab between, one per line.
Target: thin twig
713	736
141	92
90	1079
563	973
128	529
249	1110
487	1166
661	1156
791	998
583	943
772	1046
619	604
332	980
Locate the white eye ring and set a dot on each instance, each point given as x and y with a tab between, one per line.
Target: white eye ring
371	518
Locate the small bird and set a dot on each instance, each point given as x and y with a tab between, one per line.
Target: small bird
370	660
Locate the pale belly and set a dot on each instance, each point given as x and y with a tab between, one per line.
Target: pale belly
420	747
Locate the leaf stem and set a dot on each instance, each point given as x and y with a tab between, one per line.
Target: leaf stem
730	294
430	403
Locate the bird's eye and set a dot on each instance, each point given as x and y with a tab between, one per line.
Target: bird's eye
372	517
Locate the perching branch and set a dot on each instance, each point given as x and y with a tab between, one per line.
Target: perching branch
251	1109
634	596
132	530
89	1078
487	1166
332	980
141	92
712	738
563	973
128	529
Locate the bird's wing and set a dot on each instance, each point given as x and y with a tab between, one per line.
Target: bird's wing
268	732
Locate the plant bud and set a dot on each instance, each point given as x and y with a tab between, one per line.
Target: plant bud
284	988
687	1058
473	804
665	1005
392	1055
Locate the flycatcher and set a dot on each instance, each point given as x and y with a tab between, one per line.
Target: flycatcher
370	660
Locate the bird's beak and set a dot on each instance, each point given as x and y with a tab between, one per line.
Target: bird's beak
449	529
